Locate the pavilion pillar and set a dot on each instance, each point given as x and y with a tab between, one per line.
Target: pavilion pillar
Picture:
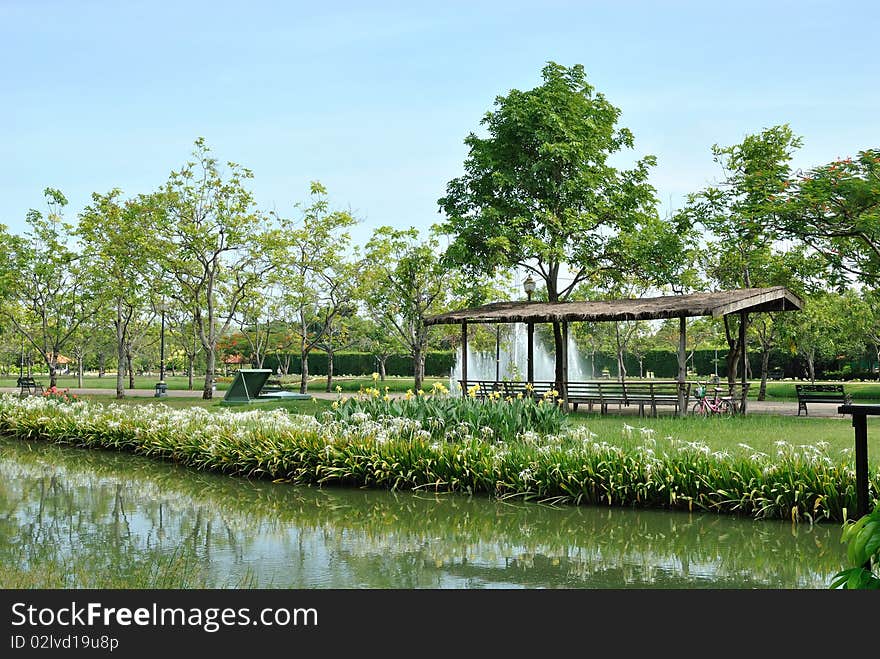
464	364
497	354
563	386
744	356
530	352
682	366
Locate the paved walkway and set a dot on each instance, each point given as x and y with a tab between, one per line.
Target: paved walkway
754	407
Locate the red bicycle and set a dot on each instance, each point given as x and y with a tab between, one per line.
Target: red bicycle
705	406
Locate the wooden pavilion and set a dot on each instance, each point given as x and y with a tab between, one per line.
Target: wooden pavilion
716	304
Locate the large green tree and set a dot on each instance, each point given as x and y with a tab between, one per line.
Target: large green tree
50	289
315	276
738	216
212	244
117	240
405	282
539	192
835	209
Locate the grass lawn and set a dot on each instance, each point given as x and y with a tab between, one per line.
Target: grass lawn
861	392
181	383
109	382
759	431
294	406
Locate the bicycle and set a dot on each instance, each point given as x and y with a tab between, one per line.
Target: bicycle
705	406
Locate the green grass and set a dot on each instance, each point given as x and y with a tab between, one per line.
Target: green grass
109	382
181	383
861	392
759	431
293	406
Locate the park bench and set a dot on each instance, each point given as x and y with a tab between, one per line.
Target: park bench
28	387
648	395
820	393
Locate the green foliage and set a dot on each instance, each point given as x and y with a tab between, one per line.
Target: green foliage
404	282
445	417
835	209
862	539
539	191
49	286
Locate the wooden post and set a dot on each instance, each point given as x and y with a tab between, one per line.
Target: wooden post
563	386
497	354
682	365
744	360
464	364
530	353
860	424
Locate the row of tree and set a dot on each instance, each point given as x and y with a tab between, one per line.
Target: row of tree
538	194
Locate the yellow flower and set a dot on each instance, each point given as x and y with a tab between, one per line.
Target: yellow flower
338	389
375	376
335	405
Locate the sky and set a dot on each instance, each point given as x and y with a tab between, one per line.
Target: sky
375	99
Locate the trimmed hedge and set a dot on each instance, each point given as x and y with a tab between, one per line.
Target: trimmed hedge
438	363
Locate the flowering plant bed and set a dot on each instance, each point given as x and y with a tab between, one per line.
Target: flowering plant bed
573	466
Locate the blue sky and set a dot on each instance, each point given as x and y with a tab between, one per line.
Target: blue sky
374	99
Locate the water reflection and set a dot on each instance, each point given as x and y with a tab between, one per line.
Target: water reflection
119	511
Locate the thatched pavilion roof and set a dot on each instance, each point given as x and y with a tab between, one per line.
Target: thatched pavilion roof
717	304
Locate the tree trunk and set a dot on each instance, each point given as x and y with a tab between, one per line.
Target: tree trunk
621	368
765	367
811	368
128	361
382	361
559	350
79	372
304	372
120	352
208	389
418	367
329	370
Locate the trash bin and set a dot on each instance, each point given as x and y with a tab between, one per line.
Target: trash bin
161	390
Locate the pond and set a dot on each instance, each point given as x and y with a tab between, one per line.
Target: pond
107	520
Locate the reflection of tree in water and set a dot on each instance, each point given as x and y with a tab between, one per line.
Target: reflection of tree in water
122	511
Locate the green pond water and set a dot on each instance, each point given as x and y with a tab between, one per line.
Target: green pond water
118	515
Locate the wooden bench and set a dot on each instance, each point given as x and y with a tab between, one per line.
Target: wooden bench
648	395
820	393
29	387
